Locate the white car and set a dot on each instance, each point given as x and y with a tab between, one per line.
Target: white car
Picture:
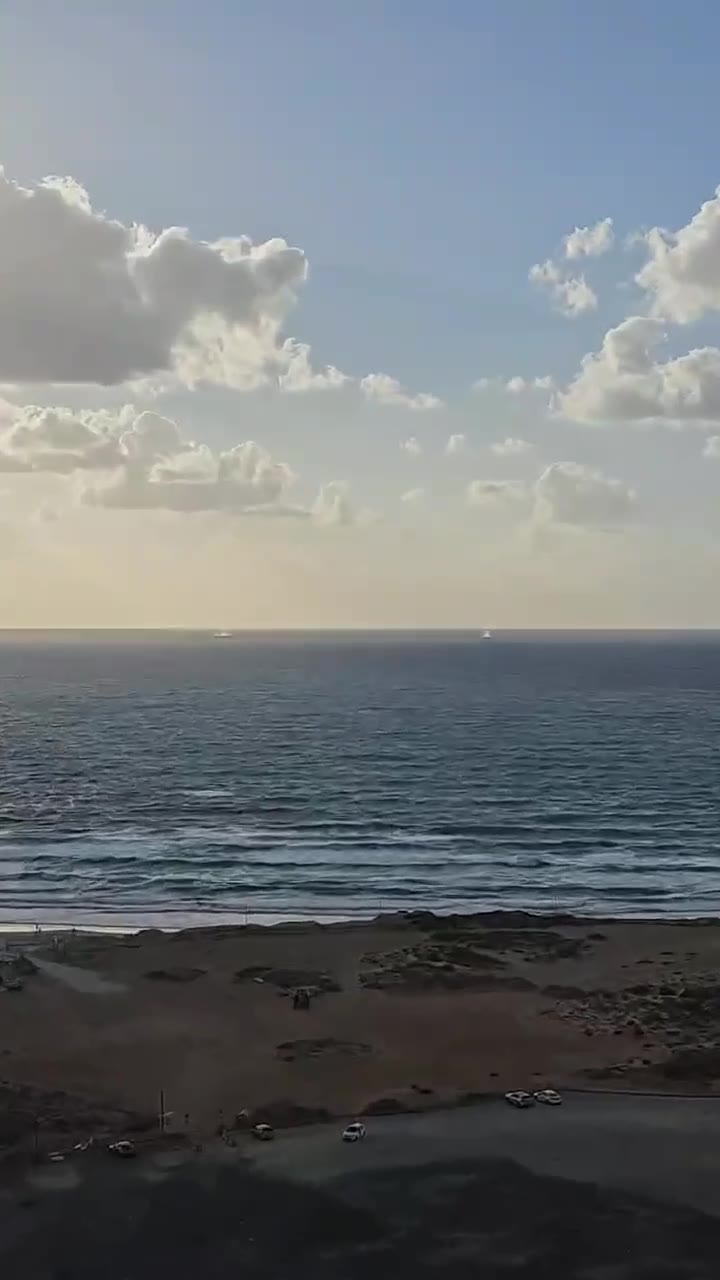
124	1149
520	1098
549	1096
355	1132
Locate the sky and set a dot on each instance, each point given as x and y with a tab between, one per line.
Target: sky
395	314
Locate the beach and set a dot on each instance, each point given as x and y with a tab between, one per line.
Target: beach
406	1012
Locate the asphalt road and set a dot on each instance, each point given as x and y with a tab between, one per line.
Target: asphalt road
602	1188
664	1147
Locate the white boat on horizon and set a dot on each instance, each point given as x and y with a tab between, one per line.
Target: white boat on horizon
487	635
222	635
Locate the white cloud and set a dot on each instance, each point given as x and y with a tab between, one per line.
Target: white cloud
88	299
682	274
413	496
299	374
510	447
489	493
455	445
590	242
516	386
84	298
412	446
569	493
565	493
388	391
623	381
62	440
149	465
244	480
712	447
576	296
572	293
332	505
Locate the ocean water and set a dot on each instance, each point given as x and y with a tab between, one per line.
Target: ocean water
176	778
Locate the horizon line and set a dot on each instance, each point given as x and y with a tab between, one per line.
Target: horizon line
230	632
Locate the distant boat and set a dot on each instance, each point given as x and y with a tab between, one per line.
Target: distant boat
222	635
487	635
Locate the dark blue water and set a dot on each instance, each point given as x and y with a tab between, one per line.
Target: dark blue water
178	777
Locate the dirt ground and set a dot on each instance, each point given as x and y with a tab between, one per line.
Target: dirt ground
417	1010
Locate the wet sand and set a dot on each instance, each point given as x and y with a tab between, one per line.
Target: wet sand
406	1012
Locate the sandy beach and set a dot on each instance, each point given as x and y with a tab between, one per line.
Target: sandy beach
406	1012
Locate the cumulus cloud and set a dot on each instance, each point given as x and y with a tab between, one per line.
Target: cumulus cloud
412	446
682	274
299	374
413	496
624	382
565	493
85	298
510	447
572	294
455	445
62	440
148	464
388	391
159	475
332	505
573	494
589	242
516	386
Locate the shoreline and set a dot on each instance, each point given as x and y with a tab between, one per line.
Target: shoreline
105	923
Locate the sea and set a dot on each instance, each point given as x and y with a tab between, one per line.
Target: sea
177	778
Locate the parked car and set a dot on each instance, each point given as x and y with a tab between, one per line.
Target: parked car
263	1132
549	1097
355	1132
520	1098
124	1149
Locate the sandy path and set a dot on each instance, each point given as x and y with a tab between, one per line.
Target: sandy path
79	979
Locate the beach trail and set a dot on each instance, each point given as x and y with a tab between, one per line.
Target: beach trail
83	980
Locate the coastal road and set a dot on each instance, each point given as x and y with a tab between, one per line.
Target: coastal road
657	1146
623	1188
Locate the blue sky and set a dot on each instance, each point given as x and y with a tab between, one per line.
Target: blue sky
423	156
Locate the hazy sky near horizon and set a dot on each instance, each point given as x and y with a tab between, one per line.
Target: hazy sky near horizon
394	314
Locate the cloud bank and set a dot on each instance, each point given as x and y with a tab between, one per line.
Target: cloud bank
565	493
85	298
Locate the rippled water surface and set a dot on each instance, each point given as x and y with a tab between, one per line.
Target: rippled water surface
179	777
